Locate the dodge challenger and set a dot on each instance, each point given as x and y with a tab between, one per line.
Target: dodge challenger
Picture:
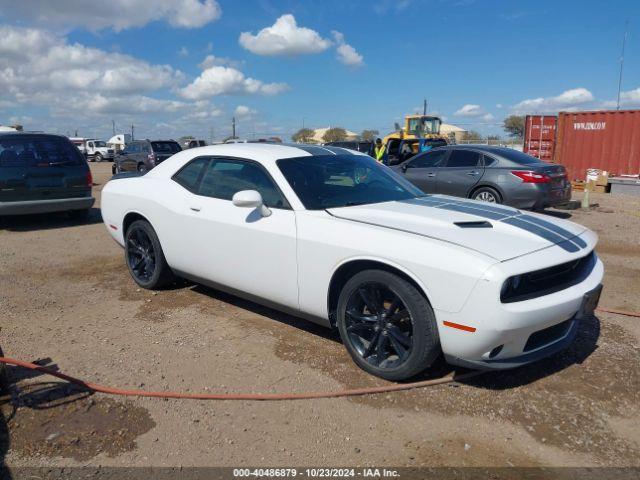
330	235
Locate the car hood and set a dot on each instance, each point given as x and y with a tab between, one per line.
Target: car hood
497	231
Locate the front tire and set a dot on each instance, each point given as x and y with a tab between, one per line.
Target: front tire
486	194
142	168
145	258
387	325
98	157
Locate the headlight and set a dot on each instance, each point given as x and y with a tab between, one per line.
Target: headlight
510	286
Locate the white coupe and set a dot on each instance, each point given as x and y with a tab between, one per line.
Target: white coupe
330	235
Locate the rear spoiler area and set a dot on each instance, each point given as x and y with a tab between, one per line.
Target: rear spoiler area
119	176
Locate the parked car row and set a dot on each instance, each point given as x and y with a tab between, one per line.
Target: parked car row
479	172
143	155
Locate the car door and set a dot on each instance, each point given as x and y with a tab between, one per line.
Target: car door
422	170
238	247
462	170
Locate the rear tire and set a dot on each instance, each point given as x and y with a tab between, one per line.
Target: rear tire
142	168
487	194
398	341
145	258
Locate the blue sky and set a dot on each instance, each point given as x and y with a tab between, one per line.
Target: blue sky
83	64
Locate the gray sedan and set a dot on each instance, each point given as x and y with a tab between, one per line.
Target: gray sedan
490	174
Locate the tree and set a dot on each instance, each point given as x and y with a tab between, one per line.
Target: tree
369	135
473	137
514	125
335	134
304	135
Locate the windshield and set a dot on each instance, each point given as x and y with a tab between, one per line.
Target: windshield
165	147
330	181
424	125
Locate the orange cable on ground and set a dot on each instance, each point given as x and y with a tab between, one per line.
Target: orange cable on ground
237	396
259	396
618	312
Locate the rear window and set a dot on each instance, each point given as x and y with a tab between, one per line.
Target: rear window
165	147
519	157
38	151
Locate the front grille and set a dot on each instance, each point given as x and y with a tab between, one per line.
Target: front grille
547	281
548	335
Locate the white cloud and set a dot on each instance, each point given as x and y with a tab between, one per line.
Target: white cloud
567	100
346	53
183	52
243	112
117	14
213	61
630	98
220	80
37	62
284	37
469	110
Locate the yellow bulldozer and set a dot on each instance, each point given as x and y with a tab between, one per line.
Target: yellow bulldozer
419	131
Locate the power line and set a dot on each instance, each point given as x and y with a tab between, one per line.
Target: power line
624	42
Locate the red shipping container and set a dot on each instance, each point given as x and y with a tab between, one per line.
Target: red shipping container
608	140
540	136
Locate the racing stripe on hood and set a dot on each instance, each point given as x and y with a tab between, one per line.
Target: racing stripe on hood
537	226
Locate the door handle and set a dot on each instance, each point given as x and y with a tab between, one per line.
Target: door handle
196	208
431	175
473	173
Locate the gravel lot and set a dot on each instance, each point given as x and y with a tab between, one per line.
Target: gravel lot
66	299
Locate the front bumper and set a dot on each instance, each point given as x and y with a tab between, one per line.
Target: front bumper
520	360
499	333
46	206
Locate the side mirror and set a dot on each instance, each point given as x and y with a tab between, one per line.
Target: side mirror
405	166
251	199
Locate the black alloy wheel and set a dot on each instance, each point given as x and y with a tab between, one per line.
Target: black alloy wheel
141	255
145	258
379	326
387	325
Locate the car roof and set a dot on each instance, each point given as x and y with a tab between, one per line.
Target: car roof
261	152
484	148
32	134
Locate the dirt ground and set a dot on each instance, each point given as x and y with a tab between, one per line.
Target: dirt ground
66	300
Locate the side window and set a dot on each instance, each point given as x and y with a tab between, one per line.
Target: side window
463	158
224	178
189	175
429	159
488	161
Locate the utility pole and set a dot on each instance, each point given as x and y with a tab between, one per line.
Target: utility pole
424	107
211	135
76	134
113	126
624	42
233	127
132	130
